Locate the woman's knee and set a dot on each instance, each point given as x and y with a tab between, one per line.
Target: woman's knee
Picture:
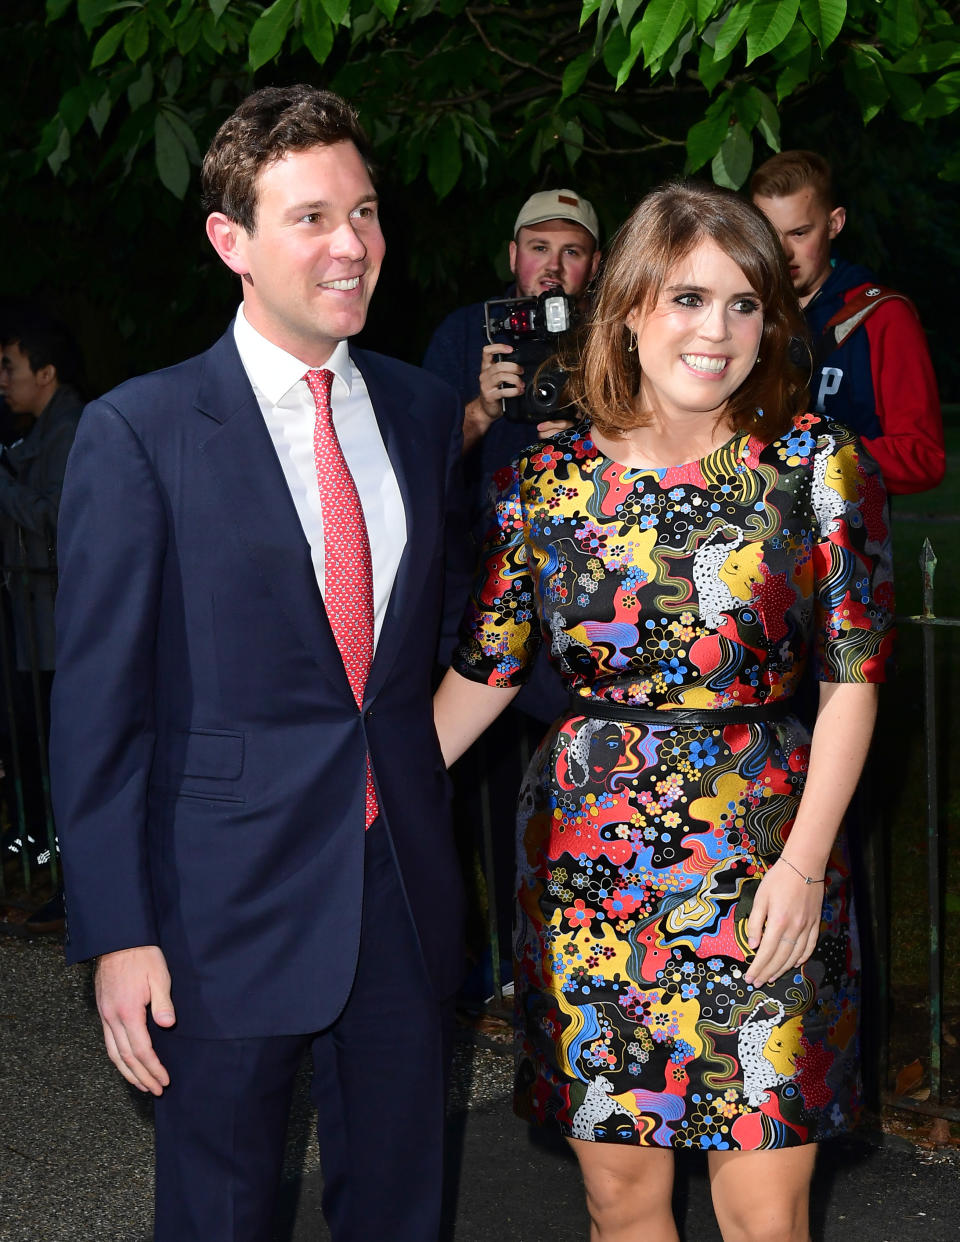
763	1196
625	1185
779	1221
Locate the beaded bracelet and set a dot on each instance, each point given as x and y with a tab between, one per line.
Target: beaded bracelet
807	879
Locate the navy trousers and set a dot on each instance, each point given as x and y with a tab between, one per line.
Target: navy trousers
378	1084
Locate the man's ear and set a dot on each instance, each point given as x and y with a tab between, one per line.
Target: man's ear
595	263
512	251
46	375
836	221
228	238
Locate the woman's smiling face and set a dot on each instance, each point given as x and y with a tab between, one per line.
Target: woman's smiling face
700	340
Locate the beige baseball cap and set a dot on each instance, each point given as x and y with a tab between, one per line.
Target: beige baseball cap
558	205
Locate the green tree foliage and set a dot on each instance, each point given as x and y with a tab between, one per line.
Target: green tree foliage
451	88
470	106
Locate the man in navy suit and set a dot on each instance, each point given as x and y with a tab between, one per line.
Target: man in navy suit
256	844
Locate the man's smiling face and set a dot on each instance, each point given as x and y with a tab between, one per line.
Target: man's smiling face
310	267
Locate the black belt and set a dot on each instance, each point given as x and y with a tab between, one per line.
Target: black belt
605	709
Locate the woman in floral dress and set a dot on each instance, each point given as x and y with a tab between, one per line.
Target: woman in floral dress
687	962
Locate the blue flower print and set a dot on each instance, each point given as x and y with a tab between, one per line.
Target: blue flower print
674	671
800	444
704	754
633	577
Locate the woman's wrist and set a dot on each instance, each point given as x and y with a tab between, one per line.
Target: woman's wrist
817	876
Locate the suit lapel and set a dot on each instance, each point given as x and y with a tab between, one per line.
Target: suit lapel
408	448
250	480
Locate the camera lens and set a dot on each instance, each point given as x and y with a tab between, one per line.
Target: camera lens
546	395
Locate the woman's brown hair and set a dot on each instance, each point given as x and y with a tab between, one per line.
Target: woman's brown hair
661	231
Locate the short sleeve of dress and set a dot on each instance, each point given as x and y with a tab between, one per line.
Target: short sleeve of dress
852	561
500	633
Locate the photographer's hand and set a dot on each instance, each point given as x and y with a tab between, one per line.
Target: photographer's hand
553	426
498	379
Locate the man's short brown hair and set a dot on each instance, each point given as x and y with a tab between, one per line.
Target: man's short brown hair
792	171
267	125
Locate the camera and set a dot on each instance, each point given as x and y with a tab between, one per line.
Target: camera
535	328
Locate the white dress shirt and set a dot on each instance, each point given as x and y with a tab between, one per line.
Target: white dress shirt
289	412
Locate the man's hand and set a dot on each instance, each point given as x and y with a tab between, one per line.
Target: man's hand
552	427
483	411
498	379
125	983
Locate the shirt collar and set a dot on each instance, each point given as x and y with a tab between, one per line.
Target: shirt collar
273	371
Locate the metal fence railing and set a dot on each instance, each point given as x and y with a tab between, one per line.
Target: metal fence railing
936	854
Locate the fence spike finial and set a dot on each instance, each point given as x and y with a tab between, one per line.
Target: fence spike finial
928	565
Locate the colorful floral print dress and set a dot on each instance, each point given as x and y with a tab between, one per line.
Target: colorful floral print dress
640	845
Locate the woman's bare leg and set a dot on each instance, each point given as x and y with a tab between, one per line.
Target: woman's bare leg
628	1191
763	1196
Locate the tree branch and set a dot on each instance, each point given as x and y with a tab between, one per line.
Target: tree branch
600	87
511	60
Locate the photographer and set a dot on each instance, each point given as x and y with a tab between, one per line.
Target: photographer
555	246
555	243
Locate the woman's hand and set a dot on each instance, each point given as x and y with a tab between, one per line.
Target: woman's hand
784	924
785	921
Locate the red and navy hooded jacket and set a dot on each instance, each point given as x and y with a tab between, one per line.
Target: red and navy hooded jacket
879	380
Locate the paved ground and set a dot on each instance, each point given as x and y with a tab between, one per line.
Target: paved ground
75	1146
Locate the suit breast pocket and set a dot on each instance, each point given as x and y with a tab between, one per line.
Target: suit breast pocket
206	764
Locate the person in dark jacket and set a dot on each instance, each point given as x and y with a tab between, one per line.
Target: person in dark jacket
253	812
871	366
39	368
556	243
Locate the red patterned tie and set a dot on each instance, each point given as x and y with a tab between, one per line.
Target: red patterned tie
348	576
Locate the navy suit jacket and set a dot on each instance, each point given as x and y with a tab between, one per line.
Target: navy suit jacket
207	753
